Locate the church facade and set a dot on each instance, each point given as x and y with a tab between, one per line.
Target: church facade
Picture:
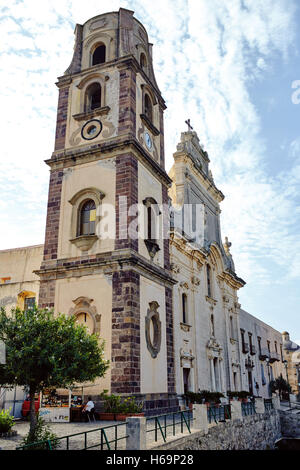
133	252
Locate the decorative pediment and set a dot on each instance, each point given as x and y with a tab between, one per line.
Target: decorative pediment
186	357
184	285
175	268
195	280
214	348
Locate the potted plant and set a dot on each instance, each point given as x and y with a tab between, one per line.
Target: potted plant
232	395
112	404
129	407
243	396
6	422
191	398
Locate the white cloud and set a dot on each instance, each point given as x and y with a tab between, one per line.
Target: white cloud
206	54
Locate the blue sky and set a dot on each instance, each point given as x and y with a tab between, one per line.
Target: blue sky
229	67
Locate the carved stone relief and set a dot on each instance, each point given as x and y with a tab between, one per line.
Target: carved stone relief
153	322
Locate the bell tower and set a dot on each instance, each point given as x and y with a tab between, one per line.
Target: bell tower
108	179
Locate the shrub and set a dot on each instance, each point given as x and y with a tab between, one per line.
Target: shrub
206	395
114	404
42	432
6	420
130	405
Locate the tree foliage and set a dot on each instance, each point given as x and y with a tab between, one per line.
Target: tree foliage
44	350
280	385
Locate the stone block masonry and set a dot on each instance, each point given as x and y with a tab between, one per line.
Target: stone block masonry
290	424
255	432
61	123
125	352
126	196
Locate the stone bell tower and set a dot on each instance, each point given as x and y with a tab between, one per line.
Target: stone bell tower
109	158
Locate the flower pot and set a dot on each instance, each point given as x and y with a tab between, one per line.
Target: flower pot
121	416
124	416
107	416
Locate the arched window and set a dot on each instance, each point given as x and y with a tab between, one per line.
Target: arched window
99	55
87	218
148	107
184	308
143	61
151	229
93	97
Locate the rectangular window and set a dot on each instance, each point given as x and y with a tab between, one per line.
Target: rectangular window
29	303
208	280
268	344
275	343
259	345
184	308
243	337
281	353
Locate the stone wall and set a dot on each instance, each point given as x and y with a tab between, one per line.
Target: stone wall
255	432
290	424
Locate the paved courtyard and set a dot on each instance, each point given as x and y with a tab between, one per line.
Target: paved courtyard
63	429
93	437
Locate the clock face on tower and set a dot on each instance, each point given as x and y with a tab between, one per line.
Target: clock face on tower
148	140
91	129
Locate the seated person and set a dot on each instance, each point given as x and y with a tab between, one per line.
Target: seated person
89	408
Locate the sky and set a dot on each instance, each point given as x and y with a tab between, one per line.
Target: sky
232	67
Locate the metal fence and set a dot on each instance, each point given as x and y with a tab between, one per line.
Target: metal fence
268	404
248	409
169	425
218	413
107	438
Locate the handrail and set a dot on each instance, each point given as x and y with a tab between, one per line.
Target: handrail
48	443
219	413
159	426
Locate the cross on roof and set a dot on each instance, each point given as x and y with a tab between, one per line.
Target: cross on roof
188	122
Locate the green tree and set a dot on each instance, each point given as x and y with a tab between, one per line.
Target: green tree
44	350
281	385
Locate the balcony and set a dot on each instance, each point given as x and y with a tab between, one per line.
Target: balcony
252	350
263	354
245	348
274	356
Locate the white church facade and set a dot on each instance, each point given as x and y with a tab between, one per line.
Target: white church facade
165	301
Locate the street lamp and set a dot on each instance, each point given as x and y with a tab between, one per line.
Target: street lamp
268	366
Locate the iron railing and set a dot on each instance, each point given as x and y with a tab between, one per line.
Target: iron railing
162	423
107	439
218	413
248	409
268	404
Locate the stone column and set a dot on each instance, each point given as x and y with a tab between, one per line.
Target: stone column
136	432
200	415
259	405
212	369
221	368
236	410
276	402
